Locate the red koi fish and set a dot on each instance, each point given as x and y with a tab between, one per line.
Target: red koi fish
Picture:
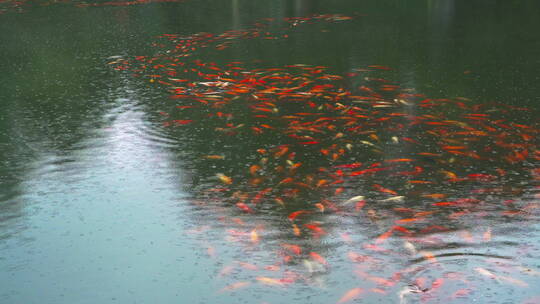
316	257
295	214
244	207
257	198
481	177
349	166
297	250
366	171
403	229
182	122
317	230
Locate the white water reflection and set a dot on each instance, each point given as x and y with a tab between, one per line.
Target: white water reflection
102	227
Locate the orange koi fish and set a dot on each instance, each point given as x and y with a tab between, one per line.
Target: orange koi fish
487	235
270	281
253	169
453	147
296	230
384	190
461	293
214	157
350	295
429	256
282	151
234	286
384	236
357	258
419	182
224	178
226	271
378	290
286	180
435	195
279	201
399	160
321	183
449	174
382	281
254	236
408	220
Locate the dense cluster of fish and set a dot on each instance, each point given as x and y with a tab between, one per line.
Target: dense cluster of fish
320	149
354	160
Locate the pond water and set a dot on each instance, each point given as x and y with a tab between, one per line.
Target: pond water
278	152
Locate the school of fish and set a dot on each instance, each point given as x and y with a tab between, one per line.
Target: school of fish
330	152
326	149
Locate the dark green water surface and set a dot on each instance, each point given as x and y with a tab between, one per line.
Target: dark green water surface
105	199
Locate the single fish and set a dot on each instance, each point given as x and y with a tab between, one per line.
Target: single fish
224	178
270	281
234	286
350	295
410	247
354	199
393	199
